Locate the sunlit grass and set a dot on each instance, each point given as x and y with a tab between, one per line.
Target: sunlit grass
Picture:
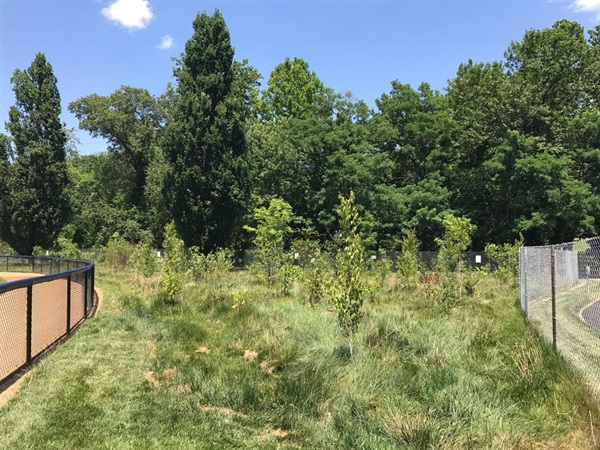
275	372
576	340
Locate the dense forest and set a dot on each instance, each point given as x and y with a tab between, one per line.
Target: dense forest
513	145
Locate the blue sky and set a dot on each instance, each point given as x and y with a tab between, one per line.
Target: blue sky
95	46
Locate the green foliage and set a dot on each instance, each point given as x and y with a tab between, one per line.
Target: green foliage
348	291
38	207
6	249
444	297
208	187
470	279
143	260
129	120
315	278
117	252
171	282
383	268
293	92
524	128
505	258
408	259
272	227
307	250
289	274
214	265
456	239
579	245
5	174
66	248
239	299
475	377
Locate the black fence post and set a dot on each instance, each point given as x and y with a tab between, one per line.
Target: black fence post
93	279
85	296
69	304
29	320
553	287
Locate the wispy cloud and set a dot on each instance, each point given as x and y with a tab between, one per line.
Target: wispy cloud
166	42
132	14
587	6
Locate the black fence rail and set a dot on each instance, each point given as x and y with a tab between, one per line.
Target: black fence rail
471	260
39	311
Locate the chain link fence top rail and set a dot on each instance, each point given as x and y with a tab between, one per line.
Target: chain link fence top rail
39	311
570	319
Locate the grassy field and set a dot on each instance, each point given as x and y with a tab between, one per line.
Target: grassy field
276	373
577	341
2	280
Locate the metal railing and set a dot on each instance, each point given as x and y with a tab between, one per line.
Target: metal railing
41	310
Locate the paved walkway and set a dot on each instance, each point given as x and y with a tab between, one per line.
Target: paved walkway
591	315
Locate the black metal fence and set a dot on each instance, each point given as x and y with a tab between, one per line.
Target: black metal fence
39	311
471	260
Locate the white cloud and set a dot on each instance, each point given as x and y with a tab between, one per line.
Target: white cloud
587	6
132	14
166	42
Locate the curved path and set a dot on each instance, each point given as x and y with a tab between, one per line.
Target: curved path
9	389
591	314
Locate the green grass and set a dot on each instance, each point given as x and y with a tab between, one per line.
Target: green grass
577	341
422	376
2	280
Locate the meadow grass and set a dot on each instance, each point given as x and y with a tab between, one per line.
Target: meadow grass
276	373
576	340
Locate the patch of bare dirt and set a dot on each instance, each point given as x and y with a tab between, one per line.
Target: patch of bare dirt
223	410
202	350
151	378
277	433
169	374
266	367
250	355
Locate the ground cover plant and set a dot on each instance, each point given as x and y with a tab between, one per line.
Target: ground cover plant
236	364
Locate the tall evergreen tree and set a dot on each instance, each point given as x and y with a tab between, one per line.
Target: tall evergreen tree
5	171
39	206
208	187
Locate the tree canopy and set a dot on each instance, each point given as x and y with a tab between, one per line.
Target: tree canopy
512	145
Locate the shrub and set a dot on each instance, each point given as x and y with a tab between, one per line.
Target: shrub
143	259
288	275
505	258
315	279
117	252
349	289
408	260
383	268
271	230
172	279
214	265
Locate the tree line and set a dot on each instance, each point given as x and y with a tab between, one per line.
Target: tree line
513	145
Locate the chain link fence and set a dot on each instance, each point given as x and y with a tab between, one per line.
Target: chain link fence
559	290
41	310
